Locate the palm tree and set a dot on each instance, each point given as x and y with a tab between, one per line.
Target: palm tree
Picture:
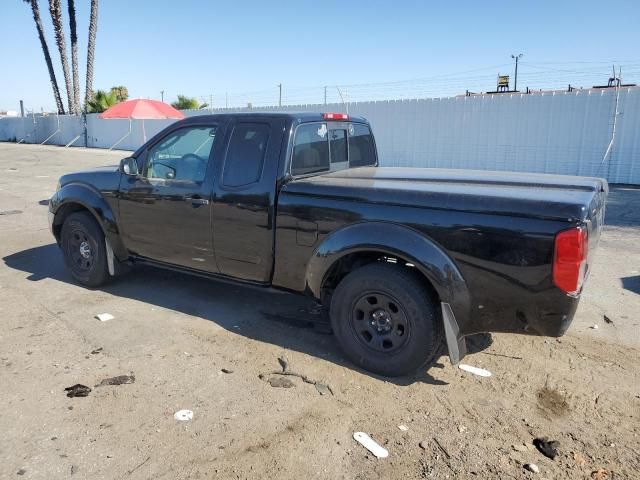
47	57
185	103
102	100
93	27
74	56
55	8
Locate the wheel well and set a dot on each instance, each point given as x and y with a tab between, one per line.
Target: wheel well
350	262
62	214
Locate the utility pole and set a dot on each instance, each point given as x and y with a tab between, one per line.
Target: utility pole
211	102
280	95
515	80
162	95
21	108
325	95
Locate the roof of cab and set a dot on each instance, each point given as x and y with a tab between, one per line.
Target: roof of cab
295	116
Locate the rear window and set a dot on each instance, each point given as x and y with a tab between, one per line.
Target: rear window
321	147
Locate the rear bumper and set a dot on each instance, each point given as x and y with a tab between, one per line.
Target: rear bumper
547	313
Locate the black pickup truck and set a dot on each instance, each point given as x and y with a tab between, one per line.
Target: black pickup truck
403	259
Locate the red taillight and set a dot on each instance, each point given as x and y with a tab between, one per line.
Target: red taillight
335	116
570	259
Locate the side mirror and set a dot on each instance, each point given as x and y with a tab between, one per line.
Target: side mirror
129	166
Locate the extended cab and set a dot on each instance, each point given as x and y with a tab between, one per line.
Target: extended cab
402	258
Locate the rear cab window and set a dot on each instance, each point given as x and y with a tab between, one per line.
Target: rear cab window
331	146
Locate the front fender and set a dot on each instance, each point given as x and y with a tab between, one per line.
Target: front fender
86	196
397	241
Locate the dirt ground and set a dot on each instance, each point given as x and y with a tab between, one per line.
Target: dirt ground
176	334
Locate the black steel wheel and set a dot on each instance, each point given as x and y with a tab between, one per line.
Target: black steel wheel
82	243
386	319
380	322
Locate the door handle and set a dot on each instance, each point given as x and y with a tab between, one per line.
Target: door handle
196	202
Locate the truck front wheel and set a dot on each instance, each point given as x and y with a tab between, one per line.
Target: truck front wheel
385	320
83	248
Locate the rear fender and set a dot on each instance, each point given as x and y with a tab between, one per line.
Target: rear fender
396	241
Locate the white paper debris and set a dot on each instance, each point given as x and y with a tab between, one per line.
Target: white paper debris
475	370
367	442
104	317
404	428
594	327
183	415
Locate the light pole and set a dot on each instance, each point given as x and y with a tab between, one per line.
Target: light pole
515	80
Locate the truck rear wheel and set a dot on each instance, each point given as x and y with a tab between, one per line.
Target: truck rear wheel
385	320
83	248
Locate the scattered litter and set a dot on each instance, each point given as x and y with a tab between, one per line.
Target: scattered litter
77	390
119	380
441	447
320	387
226	370
10	212
280	382
138	466
284	363
502	355
367	442
532	467
403	428
580	459
323	389
549	448
520	448
21	472
96	351
475	370
600	474
183	415
462	428
608	320
104	317
424	445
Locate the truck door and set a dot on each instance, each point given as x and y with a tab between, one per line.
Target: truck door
243	211
165	210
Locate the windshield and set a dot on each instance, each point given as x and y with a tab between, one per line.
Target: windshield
329	147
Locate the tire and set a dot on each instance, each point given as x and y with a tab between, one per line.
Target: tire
84	251
385	319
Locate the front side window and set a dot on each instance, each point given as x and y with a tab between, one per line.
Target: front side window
245	156
321	147
182	156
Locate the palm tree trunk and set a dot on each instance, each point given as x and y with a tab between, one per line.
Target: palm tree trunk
93	27
47	57
74	56
56	18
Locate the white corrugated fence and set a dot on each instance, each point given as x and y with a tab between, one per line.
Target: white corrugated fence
550	132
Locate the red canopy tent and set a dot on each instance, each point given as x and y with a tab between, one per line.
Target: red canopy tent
140	109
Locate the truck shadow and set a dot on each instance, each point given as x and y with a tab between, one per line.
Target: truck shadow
288	320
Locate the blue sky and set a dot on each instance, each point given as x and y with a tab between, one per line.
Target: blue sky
246	48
